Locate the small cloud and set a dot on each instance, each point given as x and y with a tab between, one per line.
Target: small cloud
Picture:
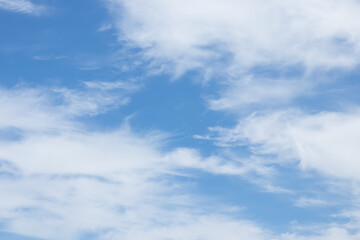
305	202
49	58
22	6
104	27
252	91
104	86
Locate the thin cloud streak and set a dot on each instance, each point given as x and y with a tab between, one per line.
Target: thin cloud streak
22	6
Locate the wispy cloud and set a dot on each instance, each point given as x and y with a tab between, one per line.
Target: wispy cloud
128	86
105	27
50	58
57	181
190	35
317	141
63	178
335	232
306	202
250	92
118	176
49	108
22	6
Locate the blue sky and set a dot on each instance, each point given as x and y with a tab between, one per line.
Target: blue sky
179	119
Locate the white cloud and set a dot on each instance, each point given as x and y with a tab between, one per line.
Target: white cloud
60	179
60	184
73	183
326	142
40	109
231	40
129	86
92	102
205	227
117	184
197	34
105	27
30	109
332	233
22	6
190	158
50	58
306	202
251	91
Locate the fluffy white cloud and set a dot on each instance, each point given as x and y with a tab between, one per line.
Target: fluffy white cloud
22	6
196	34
